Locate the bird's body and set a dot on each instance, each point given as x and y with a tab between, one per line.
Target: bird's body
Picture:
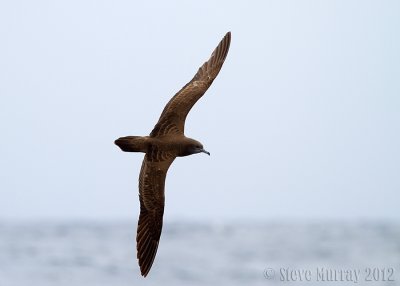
165	143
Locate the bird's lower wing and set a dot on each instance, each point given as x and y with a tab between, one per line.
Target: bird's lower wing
151	196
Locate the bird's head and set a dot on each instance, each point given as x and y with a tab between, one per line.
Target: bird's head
191	147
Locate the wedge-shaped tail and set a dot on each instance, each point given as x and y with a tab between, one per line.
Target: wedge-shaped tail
132	144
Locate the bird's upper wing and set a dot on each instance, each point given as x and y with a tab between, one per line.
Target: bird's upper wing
151	195
172	119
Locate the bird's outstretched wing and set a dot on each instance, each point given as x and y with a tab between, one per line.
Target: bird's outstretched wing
151	195
172	119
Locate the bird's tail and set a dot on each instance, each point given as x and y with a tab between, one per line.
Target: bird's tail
132	144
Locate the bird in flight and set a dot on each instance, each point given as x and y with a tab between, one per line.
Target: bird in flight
166	142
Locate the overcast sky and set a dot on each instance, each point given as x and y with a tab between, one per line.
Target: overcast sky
302	122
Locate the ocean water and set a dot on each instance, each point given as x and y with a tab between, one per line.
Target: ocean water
273	253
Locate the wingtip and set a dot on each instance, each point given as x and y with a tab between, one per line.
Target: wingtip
221	51
145	265
228	35
144	269
144	273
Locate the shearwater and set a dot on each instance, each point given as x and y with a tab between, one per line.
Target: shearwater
166	142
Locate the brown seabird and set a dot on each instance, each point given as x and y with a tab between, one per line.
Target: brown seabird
166	142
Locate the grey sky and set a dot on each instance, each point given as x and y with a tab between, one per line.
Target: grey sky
303	120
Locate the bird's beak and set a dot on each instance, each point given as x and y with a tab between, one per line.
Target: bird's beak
204	151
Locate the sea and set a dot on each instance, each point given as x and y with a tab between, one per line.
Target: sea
84	253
